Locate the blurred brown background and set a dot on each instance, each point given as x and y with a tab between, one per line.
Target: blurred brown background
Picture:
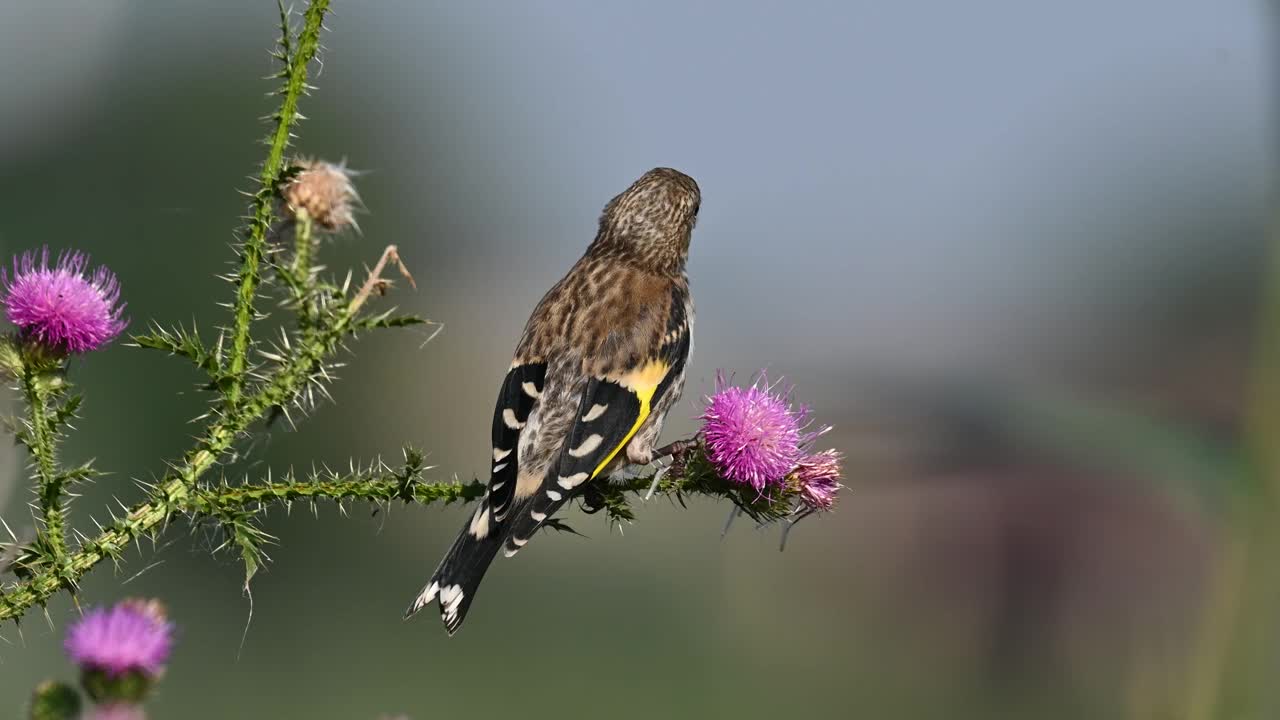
1014	255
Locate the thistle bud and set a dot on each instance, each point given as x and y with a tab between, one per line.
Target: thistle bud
54	701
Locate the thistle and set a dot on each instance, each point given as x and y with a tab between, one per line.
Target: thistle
121	651
753	436
64	308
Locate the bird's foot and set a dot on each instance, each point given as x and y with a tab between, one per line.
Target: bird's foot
679	447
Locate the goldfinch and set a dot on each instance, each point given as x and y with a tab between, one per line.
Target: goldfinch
601	361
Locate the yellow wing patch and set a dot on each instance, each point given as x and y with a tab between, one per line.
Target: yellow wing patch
645	377
642	381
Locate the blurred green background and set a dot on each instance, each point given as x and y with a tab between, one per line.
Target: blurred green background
1013	254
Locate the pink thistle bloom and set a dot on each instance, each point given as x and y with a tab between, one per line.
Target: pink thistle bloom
132	636
819	478
62	307
752	436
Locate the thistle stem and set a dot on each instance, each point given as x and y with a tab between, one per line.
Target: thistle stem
260	211
303	244
176	496
370	486
43	446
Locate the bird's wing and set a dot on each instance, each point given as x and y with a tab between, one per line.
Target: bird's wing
520	390
613	406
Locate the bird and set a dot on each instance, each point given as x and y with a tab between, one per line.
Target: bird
601	361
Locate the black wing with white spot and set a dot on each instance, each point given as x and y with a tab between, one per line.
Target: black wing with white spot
520	390
607	418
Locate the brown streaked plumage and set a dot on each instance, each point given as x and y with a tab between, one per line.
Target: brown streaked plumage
600	362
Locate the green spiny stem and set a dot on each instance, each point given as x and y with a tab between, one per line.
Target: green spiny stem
42	584
301	271
279	390
175	497
43	447
302	240
178	496
295	76
369	487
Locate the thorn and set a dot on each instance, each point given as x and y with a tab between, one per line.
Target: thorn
9	530
734	512
786	528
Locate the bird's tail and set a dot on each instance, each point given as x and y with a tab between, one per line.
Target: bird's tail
455	581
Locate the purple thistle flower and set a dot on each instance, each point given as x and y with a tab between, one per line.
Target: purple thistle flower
753	436
132	636
819	479
62	307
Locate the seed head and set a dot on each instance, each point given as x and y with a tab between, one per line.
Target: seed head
64	308
324	191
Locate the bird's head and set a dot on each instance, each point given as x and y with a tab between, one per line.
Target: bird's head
651	221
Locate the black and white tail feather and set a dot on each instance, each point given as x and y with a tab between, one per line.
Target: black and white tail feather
457	578
459	574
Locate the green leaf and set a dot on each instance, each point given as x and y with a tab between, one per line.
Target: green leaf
11	357
78	474
387	320
612	499
249	539
65	412
182	342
